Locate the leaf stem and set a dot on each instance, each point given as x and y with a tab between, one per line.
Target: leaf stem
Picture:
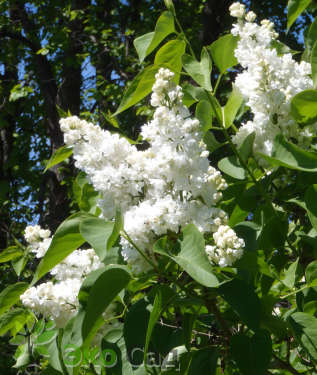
212	307
217	84
296	291
286	365
185	38
129	239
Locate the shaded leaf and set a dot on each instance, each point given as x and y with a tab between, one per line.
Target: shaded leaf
163	297
304	327
97	233
243	299
310	200
311	272
291	156
252	355
191	257
103	291
204	114
290	275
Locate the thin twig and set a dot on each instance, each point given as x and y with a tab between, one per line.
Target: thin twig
286	365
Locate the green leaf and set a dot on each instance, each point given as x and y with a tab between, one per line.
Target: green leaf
135	328
87	284
139	88
274	231
249	231
304	327
10	253
211	142
216	108
114	340
14	320
22	356
246	148
169	5
204	114
163	297
66	239
194	94
288	155
192	256
10	295
310	199
170	56
204	361
85	195
313	61
304	107
231	166
252	355
19	264
18	92
97	233
199	71
60	155
311	272
145	44
232	106
243	299
104	290
290	275
237	216
118	227
294	9
311	37
310	308
222	52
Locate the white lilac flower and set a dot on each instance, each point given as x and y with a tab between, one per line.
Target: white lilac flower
228	247
57	299
268	82
160	189
237	10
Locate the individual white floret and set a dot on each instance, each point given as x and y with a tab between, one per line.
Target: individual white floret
237	10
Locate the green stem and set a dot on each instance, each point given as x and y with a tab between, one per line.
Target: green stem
286	365
217	84
185	38
128	238
60	353
296	291
212	307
